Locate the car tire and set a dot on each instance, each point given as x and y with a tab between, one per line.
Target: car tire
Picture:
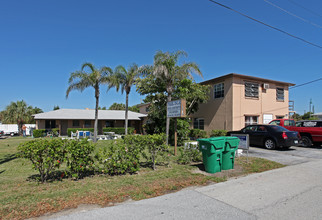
306	141
270	144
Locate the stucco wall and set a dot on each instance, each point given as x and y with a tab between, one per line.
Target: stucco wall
266	103
229	112
217	112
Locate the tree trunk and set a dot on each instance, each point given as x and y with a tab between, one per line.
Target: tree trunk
126	112
96	114
168	121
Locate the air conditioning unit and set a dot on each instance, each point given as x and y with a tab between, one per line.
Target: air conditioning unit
266	86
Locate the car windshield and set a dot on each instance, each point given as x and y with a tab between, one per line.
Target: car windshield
278	128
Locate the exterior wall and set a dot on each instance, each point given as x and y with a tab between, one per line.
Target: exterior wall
266	103
143	108
229	112
63	125
40	124
217	112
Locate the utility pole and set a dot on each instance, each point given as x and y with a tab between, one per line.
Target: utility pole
310	108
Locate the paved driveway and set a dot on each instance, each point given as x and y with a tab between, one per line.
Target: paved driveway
293	192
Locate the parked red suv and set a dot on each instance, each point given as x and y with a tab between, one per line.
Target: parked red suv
309	135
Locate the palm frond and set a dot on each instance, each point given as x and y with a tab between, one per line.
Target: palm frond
89	65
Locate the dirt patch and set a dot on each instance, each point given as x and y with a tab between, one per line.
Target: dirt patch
237	171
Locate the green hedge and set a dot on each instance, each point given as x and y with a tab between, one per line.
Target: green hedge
70	130
218	133
197	133
39	133
43	132
120	130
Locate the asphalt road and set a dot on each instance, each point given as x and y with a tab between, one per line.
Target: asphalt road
292	192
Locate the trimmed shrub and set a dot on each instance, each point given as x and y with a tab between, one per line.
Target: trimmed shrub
119	130
197	133
55	132
79	157
188	155
118	158
45	154
218	133
153	148
37	133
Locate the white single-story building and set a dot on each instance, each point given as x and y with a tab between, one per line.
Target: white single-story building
318	115
84	118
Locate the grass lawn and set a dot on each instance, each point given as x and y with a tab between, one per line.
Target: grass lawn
21	198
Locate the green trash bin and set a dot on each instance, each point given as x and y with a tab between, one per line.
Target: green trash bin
212	149
228	155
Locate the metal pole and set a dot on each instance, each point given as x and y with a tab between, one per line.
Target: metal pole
175	136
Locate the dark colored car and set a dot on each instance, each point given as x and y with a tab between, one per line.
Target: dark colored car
1	133
271	136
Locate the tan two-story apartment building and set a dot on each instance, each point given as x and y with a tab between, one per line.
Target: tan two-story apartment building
237	100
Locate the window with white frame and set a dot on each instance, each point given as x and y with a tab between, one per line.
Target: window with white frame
279	94
219	90
251	89
198	123
251	120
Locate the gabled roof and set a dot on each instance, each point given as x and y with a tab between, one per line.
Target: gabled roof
82	114
214	80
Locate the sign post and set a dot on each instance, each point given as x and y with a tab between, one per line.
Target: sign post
176	109
243	143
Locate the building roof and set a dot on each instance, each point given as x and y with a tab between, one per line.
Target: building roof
82	114
245	77
317	114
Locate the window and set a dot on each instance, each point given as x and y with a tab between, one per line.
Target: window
289	123
251	89
49	124
87	124
147	109
279	94
75	123
109	124
251	120
198	123
275	123
219	90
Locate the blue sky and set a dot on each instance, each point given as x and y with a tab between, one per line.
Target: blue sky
42	42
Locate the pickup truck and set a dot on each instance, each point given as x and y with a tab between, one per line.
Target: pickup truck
309	135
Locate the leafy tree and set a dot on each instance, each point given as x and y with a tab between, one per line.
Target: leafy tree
308	116
168	73
102	108
121	106
117	106
124	79
186	89
56	107
19	113
81	80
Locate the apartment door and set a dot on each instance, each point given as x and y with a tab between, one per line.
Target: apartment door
64	126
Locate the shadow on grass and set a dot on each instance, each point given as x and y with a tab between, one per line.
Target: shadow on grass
200	166
7	158
59	175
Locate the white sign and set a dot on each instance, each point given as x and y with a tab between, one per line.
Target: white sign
267	118
244	141
176	109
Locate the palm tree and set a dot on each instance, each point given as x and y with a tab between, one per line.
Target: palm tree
81	80
18	113
166	68
124	79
